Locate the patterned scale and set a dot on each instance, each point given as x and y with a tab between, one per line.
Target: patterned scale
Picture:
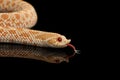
49	55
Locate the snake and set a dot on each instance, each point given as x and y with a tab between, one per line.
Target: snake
47	55
17	17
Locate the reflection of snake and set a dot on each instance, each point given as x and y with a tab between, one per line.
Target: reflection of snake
15	17
50	55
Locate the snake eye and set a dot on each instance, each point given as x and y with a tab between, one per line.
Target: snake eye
59	39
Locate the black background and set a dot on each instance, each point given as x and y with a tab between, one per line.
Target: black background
74	19
86	23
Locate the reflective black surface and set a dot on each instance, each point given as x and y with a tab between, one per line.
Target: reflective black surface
49	55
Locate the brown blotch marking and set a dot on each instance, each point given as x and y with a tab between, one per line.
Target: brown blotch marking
2	25
12	31
13	4
8	2
30	40
1	20
13	20
1	30
19	29
18	24
16	36
17	16
24	35
8	20
4	34
7	27
7	24
1	1
4	16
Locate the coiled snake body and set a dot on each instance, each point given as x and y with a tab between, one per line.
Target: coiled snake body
16	17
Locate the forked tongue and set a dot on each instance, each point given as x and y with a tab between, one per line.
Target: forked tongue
75	50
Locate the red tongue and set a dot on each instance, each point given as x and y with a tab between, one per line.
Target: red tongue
75	51
70	45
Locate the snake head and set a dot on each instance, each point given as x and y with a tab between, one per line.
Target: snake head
59	41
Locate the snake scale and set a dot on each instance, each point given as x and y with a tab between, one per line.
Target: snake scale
49	55
16	19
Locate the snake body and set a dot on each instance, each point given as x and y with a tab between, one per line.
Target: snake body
16	17
50	55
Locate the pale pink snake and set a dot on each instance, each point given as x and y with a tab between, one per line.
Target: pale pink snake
16	17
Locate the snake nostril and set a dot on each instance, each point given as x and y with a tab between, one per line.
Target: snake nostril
59	39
